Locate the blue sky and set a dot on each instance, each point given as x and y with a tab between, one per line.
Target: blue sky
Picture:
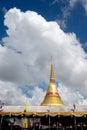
39	29
51	10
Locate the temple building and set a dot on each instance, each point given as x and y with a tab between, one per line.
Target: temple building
52	114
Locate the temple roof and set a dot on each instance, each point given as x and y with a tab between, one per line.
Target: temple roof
43	110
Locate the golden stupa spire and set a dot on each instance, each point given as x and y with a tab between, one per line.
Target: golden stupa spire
52	79
52	96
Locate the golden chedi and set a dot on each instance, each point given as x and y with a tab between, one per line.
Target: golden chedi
52	97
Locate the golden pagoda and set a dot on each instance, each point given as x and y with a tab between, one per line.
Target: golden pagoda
52	97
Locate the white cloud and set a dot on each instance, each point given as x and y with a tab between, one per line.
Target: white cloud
71	97
38	40
37	96
62	23
11	94
11	67
73	2
67	10
4	10
83	2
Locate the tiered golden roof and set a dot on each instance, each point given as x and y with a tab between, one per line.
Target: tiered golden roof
52	96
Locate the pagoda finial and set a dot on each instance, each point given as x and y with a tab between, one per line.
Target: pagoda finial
52	79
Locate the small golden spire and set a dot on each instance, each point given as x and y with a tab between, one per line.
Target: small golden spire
52	96
26	107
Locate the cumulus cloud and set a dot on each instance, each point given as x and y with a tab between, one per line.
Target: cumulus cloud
37	96
71	97
11	94
25	56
